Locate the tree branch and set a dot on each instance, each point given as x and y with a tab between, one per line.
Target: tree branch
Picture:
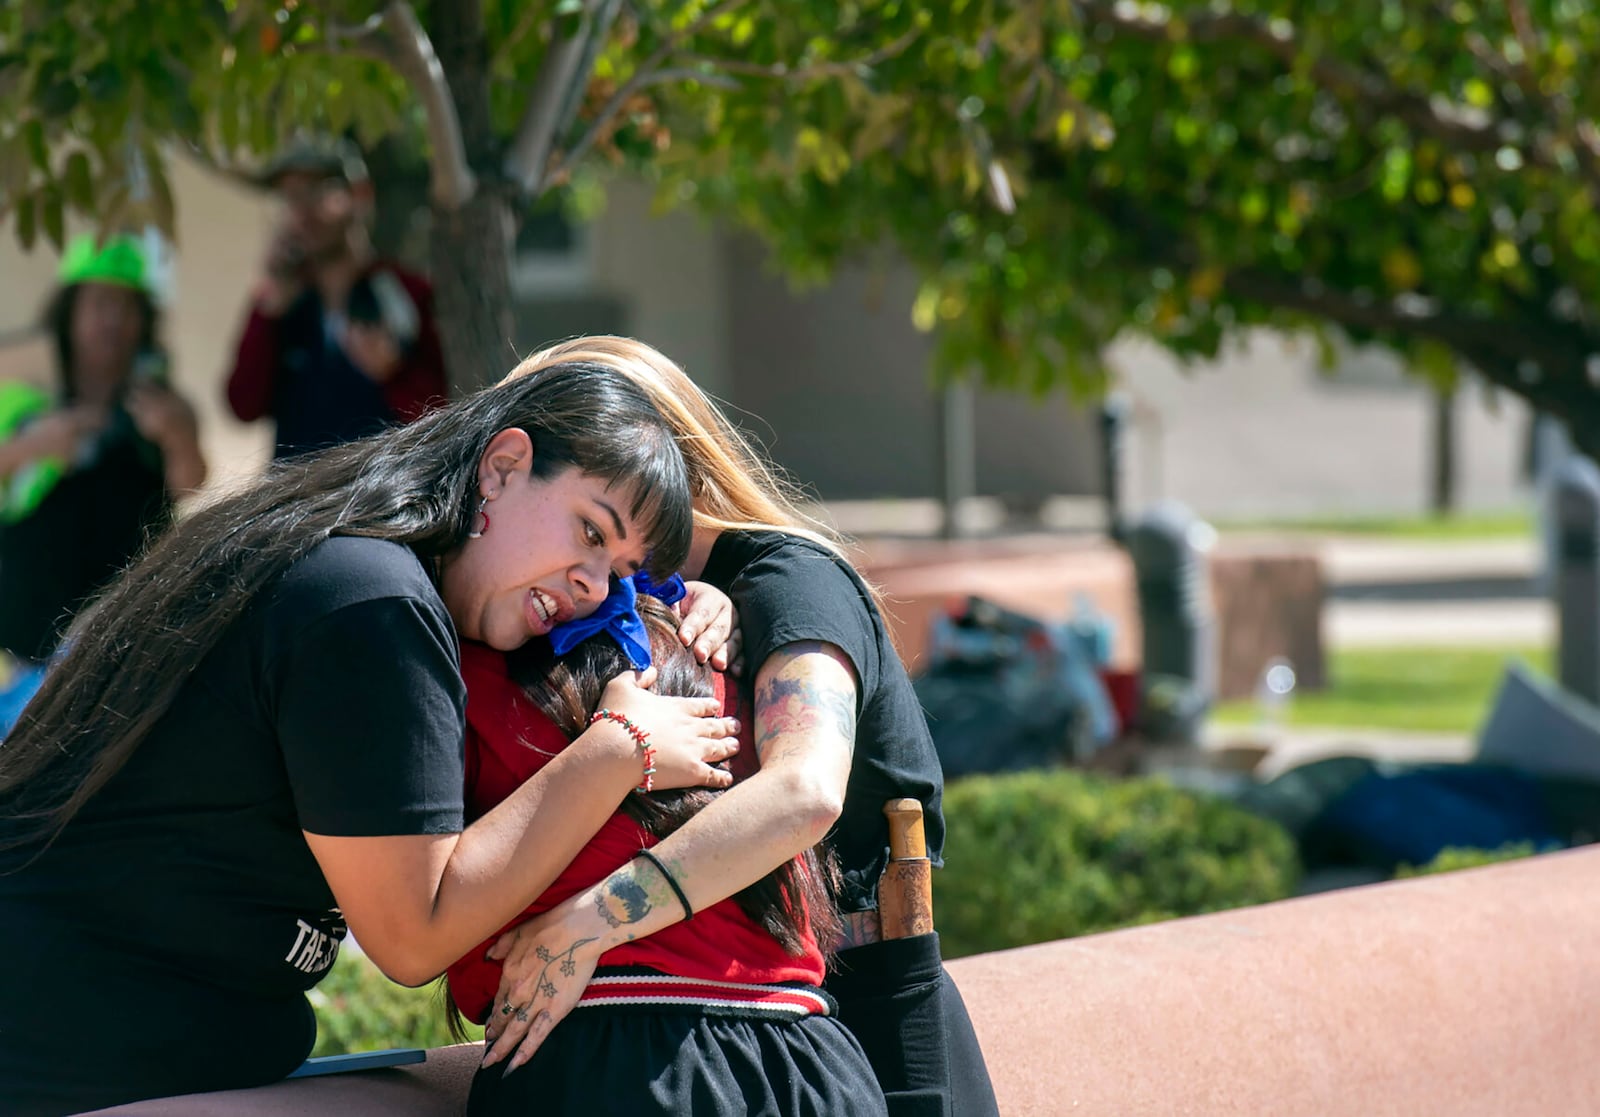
1466	129
1278	38
650	72
597	129
779	71
396	38
566	67
1528	353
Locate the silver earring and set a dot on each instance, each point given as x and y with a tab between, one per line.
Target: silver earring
477	532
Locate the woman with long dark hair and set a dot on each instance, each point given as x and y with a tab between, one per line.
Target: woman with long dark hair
91	468
838	732
254	739
719	1014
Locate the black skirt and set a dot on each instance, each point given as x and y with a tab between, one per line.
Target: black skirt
632	1061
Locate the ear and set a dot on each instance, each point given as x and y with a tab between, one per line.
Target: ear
510	452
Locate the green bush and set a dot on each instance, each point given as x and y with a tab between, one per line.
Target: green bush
1037	856
1449	860
358	1009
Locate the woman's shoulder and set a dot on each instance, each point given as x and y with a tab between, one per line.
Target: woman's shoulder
350	570
739	554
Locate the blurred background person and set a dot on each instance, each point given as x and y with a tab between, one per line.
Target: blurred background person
337	344
92	468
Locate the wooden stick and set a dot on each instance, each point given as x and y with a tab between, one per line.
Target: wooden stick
905	891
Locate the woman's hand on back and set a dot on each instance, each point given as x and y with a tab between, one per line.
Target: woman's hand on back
689	736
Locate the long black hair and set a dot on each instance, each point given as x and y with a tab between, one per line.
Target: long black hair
793	899
129	654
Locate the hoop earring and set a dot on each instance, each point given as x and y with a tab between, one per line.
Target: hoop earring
477	532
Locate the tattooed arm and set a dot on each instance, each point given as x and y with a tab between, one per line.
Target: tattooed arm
805	711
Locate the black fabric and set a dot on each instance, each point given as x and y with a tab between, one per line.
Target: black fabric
162	945
321	398
86	529
613	1062
789	590
898	1001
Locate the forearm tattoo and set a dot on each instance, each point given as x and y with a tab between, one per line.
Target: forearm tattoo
622	901
795	704
627	897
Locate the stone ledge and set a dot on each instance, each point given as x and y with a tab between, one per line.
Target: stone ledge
1465	994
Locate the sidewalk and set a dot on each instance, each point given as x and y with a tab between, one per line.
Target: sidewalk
1387	593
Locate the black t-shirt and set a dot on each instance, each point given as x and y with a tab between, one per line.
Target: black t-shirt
85	529
163	944
788	590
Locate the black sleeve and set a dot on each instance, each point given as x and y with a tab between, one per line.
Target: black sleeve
793	593
370	712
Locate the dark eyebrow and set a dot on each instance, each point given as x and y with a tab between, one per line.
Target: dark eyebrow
622	532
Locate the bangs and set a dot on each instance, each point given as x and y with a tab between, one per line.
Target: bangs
651	471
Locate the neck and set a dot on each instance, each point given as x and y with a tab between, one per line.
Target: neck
700	552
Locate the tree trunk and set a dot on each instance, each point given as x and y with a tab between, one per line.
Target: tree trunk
471	265
470	248
1442	495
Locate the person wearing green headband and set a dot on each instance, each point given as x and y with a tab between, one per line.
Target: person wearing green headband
89	469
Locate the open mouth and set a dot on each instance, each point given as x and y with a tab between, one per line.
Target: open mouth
544	607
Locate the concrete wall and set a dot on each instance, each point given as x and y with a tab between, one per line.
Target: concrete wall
1264	432
840	381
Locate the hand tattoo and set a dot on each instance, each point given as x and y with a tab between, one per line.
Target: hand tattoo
567	966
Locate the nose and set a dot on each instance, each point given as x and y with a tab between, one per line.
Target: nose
591	581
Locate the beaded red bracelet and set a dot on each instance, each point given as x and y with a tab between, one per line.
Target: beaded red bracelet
646	753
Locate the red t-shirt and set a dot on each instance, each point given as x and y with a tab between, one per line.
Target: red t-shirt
508	740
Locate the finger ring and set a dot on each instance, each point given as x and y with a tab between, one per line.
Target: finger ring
505	1009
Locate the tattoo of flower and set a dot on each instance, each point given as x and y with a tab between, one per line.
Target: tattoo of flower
565	962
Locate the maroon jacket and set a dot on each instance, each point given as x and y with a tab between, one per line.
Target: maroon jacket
288	368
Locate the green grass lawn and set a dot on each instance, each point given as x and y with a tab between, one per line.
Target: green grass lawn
1425	689
1517	523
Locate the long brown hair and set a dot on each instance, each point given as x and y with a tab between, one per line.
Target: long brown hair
793	900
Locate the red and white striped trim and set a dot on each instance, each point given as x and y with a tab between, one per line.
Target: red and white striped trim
665	991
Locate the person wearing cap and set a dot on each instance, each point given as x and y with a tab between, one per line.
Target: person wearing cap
337	345
88	470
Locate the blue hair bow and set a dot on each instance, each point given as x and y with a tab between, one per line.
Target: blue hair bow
669	592
618	618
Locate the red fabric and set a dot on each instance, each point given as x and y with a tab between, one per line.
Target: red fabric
418	385
504	735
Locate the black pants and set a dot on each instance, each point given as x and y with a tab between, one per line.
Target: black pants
899	1002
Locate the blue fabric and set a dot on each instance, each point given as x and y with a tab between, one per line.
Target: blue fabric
1413	816
618	618
18	689
669	592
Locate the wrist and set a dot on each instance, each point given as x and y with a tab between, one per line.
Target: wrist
583	920
611	748
641	741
